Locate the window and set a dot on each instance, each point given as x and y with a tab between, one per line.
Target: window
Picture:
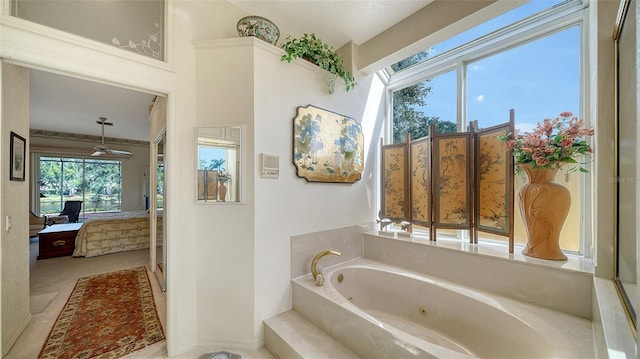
533	66
98	183
537	78
529	9
160	185
426	103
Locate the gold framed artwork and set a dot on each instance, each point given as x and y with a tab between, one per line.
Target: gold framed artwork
17	151
327	146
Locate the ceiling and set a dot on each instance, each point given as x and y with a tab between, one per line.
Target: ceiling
336	21
64	104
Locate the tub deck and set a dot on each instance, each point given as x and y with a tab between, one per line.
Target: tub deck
373	334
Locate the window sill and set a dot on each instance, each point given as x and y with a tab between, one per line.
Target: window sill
574	262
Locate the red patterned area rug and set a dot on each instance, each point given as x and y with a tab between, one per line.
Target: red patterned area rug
107	316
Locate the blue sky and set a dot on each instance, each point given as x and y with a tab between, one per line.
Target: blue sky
538	79
208	153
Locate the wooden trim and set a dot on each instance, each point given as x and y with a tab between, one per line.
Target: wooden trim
473	232
85	138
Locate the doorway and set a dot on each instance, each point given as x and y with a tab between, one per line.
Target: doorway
67	128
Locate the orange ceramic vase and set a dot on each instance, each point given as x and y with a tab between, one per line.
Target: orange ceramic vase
544	206
222	192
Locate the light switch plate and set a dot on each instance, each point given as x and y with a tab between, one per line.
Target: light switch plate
269	166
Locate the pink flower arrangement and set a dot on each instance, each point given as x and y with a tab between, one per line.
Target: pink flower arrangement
552	143
223	176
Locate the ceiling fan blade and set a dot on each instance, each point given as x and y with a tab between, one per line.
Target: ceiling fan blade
102	149
120	153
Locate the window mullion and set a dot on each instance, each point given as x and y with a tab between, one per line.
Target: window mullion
461	95
388	128
587	195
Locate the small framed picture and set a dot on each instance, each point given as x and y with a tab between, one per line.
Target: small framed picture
17	151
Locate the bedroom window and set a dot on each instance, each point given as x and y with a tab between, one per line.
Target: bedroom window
98	183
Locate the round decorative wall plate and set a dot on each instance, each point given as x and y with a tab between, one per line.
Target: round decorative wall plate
259	27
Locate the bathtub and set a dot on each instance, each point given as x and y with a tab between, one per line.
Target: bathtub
381	311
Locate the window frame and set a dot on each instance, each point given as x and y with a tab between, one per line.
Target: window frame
546	23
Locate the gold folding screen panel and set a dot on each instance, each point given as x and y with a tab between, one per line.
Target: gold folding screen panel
207	185
458	180
420	178
452	182
494	182
394	181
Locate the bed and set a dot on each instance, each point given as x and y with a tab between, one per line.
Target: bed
114	232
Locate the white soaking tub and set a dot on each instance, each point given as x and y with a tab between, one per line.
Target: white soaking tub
381	311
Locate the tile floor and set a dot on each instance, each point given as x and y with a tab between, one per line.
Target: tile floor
51	283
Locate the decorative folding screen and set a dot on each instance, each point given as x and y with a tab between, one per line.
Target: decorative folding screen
452	180
420	178
494	182
207	185
394	181
458	180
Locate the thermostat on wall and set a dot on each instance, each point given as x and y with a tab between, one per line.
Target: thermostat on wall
270	166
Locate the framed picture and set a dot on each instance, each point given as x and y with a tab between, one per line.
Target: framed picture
327	147
17	150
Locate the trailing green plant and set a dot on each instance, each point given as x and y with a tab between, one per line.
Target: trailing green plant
312	49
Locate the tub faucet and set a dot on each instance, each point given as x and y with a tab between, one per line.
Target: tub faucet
405	226
317	275
383	221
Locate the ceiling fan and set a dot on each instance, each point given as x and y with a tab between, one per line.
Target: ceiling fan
102	149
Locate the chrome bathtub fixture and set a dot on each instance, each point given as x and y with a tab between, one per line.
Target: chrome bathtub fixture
317	275
404	225
383	221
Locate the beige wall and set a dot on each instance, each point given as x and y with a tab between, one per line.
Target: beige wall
243	82
15	204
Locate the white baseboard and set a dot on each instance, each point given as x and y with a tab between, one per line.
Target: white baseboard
232	344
